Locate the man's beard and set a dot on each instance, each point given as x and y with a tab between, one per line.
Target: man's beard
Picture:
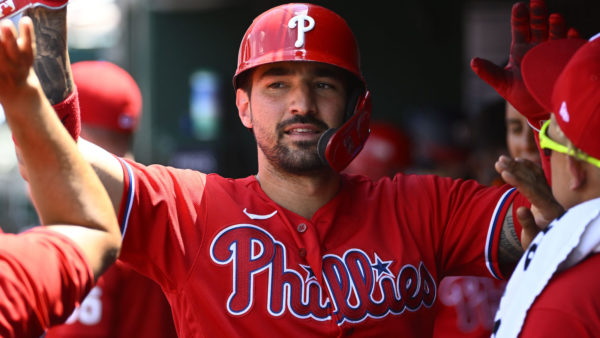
300	158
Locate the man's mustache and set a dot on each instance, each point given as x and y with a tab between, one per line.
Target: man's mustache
304	119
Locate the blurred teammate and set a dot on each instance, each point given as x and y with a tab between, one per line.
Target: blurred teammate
520	138
123	303
46	271
299	248
386	152
553	291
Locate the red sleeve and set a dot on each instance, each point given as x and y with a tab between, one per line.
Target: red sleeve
466	221
161	217
44	276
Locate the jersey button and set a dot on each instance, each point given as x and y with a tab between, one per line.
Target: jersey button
302	252
301	227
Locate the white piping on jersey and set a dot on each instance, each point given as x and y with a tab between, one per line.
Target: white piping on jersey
256	216
131	193
490	236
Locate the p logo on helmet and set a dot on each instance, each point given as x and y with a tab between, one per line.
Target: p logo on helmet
299	21
307	32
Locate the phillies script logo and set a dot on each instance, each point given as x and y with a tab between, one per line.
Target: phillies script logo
358	286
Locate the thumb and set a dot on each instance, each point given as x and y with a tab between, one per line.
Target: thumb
490	73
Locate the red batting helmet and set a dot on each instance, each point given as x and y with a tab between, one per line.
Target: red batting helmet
299	32
307	32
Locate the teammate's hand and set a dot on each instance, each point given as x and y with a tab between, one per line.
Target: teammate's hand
529	27
16	59
530	181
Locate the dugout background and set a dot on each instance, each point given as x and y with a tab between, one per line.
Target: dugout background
415	59
183	53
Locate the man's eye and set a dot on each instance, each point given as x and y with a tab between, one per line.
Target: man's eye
276	85
324	85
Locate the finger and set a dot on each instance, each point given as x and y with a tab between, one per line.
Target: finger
519	23
27	40
538	21
4	60
504	166
502	163
525	178
557	27
530	165
529	179
529	228
10	40
492	74
572	33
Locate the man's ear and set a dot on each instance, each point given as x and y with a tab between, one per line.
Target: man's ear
242	101
578	174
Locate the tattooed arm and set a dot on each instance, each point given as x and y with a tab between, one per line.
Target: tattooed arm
52	64
53	68
509	249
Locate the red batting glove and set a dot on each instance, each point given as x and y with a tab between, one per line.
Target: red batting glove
529	27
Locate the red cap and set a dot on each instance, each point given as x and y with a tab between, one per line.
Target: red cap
109	97
575	97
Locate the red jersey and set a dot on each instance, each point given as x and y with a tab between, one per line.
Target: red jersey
234	263
568	306
43	275
122	304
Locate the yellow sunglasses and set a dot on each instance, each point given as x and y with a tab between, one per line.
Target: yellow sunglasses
547	144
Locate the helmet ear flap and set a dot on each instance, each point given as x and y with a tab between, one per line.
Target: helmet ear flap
338	147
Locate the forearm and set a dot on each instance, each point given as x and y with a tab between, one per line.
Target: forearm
55	169
52	66
51	63
509	248
63	186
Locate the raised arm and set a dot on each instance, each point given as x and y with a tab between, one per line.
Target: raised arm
68	196
53	68
530	25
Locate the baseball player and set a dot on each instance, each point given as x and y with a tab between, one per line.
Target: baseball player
520	138
299	249
123	303
553	291
46	271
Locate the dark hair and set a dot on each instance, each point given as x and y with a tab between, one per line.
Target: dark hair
243	80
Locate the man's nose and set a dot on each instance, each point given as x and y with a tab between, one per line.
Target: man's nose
302	100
